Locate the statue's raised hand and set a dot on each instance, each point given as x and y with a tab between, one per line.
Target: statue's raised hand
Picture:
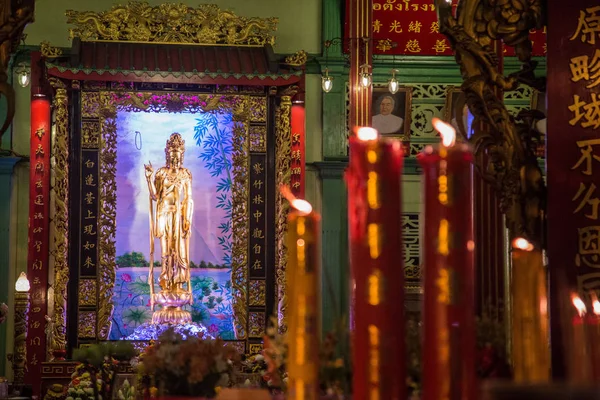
148	170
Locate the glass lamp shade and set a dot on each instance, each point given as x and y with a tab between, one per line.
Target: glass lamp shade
326	82
365	79
393	85
22	284
23	75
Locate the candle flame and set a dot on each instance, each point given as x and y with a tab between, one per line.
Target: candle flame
595	303
522	244
579	305
300	205
366	133
447	132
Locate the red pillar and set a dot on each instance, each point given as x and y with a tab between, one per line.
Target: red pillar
39	221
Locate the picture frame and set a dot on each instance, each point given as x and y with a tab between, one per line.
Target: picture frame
392	111
455	101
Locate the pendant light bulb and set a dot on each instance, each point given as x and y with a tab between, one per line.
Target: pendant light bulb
326	82
365	76
23	75
393	84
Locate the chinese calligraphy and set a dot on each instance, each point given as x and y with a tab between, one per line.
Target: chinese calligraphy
588	25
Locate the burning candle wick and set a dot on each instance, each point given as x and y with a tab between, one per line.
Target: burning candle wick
366	133
447	132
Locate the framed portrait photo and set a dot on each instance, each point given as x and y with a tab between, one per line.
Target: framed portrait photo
456	112
391	112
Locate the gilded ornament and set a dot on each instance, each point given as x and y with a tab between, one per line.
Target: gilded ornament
87	292
255	349
257	324
86	325
257	106
61	216
512	167
283	150
258	138
257	293
297	59
49	51
90	134
172	23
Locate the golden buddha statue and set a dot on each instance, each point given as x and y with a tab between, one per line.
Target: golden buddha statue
171	222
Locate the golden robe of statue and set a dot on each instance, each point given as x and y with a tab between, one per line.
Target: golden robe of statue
171	188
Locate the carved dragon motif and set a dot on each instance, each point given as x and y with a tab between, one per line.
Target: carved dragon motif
511	165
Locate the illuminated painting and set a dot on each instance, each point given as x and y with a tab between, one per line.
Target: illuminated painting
208	147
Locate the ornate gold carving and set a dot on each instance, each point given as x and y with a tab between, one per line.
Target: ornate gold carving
108	213
258	108
87	292
255	349
90	134
19	358
512	167
239	252
49	51
172	23
90	104
283	146
61	217
86	325
257	324
258	139
239	346
257	293
297	59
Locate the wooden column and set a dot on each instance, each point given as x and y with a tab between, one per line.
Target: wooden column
360	47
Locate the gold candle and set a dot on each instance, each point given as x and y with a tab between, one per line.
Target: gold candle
530	335
304	291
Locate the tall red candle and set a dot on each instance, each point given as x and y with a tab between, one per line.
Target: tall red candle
593	322
448	278
374	205
580	366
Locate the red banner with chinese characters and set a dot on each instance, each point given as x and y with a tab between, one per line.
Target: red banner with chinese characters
410	27
39	220
573	148
298	156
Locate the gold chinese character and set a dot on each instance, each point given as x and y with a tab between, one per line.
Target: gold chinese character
258	234
582	68
39	167
89	263
588	25
39	132
440	46
296	185
89	230
38	216
37	264
258	168
90	215
588	111
587	200
89	180
443	284
587	153
297	171
39	229
545	47
257	184
39	200
38	246
412	46
296	155
36	281
88	245
396	27
384	45
89	198
256	248
589	247
36	310
415	26
296	138
257	214
377	26
39	184
89	164
40	150
36	324
435	27
257	199
34	359
35	341
256	265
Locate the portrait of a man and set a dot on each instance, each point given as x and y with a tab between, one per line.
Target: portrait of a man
391	112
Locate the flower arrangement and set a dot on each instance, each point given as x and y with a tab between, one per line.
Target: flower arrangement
3	312
194	366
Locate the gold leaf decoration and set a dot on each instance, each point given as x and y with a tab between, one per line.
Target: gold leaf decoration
172	23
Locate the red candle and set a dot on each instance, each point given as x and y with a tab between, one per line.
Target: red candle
579	363
448	276
593	322
374	206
